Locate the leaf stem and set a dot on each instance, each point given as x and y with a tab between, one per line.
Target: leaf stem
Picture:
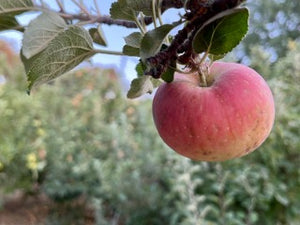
143	22
159	12
108	52
154	13
81	7
139	25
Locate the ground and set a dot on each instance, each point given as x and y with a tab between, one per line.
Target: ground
21	209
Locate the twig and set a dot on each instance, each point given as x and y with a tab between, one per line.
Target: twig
60	5
165	4
81	6
98	19
97	7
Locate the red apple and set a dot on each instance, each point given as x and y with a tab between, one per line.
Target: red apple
229	118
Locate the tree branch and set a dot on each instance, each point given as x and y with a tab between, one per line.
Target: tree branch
199	12
167	4
100	19
88	17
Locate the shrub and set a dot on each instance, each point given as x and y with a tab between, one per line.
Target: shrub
79	137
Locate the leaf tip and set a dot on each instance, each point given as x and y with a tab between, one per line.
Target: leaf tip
29	87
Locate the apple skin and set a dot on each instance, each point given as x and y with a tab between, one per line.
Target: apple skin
228	119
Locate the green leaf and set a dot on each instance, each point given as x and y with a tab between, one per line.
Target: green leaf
168	76
216	57
9	22
40	32
130	51
153	40
98	36
14	7
156	82
121	10
134	39
69	48
282	199
9	9
133	43
144	6
140	69
223	32
128	9
140	86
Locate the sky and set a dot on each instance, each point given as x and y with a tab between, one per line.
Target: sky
114	35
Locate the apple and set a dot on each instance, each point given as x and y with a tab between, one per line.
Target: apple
229	118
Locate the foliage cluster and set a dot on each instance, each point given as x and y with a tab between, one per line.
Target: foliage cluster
81	138
57	41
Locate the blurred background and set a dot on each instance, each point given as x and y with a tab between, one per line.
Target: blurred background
78	152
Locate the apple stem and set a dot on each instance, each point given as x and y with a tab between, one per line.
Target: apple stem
203	71
202	77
